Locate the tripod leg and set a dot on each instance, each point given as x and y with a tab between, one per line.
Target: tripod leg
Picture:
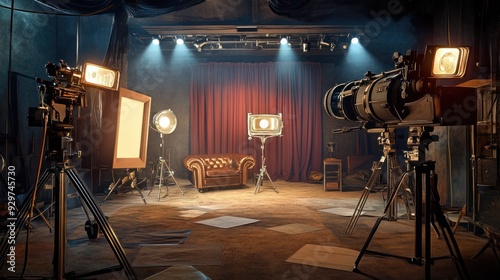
115	185
154	179
486	246
134	185
367	242
394	194
60	228
102	222
170	174
272	183
452	245
433	198
259	181
364	196
23	214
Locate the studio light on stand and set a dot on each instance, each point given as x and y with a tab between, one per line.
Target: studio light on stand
164	122
264	126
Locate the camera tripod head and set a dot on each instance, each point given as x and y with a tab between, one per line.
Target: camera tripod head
418	141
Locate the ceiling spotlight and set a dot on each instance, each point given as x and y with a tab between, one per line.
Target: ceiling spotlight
306	45
344	45
354	40
179	40
332	46
156	40
284	41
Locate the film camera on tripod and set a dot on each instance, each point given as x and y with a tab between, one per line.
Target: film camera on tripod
67	88
408	97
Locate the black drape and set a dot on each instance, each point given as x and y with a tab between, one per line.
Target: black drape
122	9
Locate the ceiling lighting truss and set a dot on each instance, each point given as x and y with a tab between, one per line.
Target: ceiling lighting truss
234	42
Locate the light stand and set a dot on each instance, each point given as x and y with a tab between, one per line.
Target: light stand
162	168
263	170
264	126
424	170
130	175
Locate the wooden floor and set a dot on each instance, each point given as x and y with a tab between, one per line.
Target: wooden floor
176	226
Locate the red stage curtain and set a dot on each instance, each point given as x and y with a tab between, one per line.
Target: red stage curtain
222	94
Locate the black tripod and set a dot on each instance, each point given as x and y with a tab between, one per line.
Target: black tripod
60	170
432	211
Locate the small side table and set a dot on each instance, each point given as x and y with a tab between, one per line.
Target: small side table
332	174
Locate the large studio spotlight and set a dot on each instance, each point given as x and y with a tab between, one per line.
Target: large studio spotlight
163	122
264	126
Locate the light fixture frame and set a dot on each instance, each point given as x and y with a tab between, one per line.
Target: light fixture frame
275	123
431	59
116	150
155	122
88	81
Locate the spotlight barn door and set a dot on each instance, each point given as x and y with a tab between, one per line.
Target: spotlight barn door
125	120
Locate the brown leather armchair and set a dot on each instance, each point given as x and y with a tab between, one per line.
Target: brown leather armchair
216	170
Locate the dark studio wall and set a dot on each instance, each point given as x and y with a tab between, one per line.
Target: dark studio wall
37	38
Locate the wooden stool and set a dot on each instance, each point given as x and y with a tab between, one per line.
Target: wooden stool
332	174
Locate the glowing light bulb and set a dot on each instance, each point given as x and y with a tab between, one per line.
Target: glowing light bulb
164	122
264	123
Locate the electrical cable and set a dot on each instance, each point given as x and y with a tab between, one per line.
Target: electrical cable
33	198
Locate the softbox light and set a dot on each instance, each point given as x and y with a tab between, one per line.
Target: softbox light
124	130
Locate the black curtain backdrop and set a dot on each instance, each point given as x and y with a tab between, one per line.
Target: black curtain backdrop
122	10
222	94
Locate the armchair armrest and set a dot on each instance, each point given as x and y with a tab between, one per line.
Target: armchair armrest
244	163
197	166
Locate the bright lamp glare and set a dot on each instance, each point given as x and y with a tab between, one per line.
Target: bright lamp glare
100	76
354	40
179	41
450	62
264	123
156	41
284	41
164	122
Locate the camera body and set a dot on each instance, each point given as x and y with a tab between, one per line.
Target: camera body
64	88
401	97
